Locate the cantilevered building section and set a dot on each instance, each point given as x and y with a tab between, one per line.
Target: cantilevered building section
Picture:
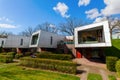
90	40
94	35
43	39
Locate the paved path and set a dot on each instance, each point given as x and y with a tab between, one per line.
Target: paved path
104	74
85	66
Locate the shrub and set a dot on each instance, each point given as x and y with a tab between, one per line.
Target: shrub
49	64
6	58
3	53
54	56
27	54
17	56
111	77
11	53
110	62
117	67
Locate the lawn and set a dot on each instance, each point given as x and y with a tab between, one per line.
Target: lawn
111	77
92	76
115	49
12	71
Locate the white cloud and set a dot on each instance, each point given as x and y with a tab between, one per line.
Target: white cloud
5	19
99	19
7	26
83	2
112	7
93	13
62	8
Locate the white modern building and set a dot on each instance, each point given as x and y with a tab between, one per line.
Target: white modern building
14	41
43	39
93	35
91	38
19	43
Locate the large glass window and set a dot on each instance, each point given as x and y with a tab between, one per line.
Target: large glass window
34	39
94	35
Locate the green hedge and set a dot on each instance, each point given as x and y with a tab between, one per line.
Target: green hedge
110	62
17	56
117	67
11	53
6	58
49	64
54	56
27	54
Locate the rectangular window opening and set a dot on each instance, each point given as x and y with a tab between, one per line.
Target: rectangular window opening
94	35
34	39
51	40
21	42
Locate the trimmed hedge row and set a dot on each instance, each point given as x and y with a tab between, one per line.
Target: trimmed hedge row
54	56
111	62
17	56
49	64
11	53
6	58
117	67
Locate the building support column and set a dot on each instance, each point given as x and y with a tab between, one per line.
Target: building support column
18	50
39	49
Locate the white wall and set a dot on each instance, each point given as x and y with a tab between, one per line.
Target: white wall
45	39
14	42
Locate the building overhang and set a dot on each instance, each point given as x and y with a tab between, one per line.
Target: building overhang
90	30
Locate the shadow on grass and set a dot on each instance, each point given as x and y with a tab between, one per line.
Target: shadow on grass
112	51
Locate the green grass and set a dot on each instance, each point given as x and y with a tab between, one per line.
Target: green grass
115	49
13	72
92	76
111	77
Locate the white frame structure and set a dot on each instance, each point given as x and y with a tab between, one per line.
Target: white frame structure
106	35
44	39
35	33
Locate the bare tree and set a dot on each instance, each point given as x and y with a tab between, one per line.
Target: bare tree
47	27
114	24
27	32
4	33
69	25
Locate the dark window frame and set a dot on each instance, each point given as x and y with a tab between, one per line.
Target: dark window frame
21	42
51	40
2	43
34	39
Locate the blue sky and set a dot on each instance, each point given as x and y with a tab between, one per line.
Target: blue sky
17	15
